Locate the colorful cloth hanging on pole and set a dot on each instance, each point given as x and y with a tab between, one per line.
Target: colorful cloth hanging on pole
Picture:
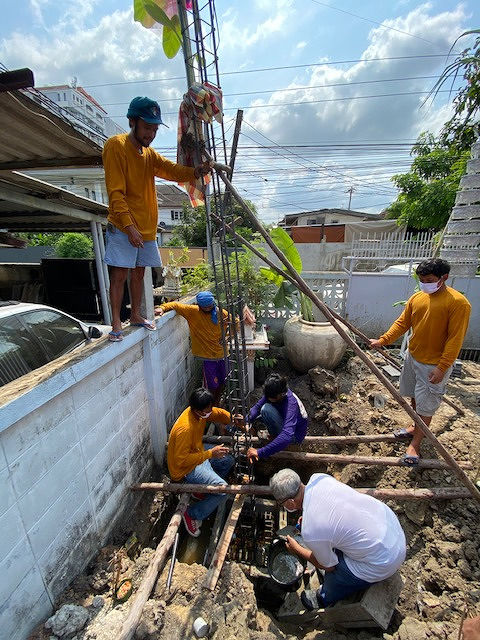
202	103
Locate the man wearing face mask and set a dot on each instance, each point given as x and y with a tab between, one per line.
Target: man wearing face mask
206	334
438	316
354	538
190	461
283	414
131	167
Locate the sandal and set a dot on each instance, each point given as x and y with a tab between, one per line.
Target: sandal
115	336
403	434
410	461
150	326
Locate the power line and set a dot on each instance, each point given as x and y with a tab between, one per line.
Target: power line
380	24
290	104
280	68
306	87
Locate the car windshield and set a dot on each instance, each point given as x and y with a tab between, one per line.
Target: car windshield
57	333
20	353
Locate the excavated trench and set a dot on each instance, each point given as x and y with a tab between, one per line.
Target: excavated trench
441	572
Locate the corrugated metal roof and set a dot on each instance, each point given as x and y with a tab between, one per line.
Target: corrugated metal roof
28	204
33	136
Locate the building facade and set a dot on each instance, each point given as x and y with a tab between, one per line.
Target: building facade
81	106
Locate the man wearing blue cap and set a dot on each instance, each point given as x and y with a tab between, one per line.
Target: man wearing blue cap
131	167
206	334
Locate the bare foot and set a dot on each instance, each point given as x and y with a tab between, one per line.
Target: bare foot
137	320
413	449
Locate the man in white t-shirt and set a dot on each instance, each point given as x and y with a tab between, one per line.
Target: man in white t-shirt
356	539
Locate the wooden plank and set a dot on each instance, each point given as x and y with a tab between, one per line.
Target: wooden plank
440	493
156	565
218	559
333	458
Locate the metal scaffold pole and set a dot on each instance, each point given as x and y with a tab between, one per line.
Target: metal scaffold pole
199	43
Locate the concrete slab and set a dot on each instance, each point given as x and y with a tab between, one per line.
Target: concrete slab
371	608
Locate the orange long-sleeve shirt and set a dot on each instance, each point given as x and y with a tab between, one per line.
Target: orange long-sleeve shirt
438	322
185	447
130	179
206	336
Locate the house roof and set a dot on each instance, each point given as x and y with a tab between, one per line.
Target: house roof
28	204
36	133
169	195
291	218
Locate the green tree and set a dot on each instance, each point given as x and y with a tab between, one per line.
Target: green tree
192	232
74	245
462	130
427	191
40	239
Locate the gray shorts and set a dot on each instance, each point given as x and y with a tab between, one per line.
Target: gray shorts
120	253
414	383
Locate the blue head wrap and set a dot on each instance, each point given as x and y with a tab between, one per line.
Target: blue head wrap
205	299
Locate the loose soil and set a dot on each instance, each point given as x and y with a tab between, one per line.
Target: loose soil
441	572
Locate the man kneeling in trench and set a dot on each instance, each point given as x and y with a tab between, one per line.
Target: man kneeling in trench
189	461
354	538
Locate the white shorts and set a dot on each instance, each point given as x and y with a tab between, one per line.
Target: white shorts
414	383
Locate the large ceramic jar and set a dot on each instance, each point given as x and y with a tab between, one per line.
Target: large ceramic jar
313	343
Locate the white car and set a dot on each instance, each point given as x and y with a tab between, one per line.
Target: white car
32	335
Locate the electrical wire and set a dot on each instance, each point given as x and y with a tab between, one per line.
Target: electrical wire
279	68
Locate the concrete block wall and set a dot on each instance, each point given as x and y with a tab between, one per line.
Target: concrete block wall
181	372
70	447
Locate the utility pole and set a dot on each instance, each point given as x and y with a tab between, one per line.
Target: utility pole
350	191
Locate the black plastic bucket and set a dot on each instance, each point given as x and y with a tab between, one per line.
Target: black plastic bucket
284	567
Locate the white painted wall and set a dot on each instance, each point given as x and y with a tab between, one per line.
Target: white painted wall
316	256
70	447
371	295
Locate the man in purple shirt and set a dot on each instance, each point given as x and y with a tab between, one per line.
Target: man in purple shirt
283	414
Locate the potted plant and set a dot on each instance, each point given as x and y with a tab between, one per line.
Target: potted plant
308	343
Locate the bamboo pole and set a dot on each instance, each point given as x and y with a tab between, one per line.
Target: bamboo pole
440	493
363	337
218	559
304	288
333	458
156	565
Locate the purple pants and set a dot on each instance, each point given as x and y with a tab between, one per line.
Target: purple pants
214	373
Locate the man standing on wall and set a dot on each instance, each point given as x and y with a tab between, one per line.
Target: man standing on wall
438	316
131	167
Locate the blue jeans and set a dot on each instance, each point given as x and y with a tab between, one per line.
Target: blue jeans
211	471
272	419
339	583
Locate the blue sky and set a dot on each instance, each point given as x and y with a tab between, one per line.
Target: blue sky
98	42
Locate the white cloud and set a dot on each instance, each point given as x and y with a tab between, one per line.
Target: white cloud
301	45
375	119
